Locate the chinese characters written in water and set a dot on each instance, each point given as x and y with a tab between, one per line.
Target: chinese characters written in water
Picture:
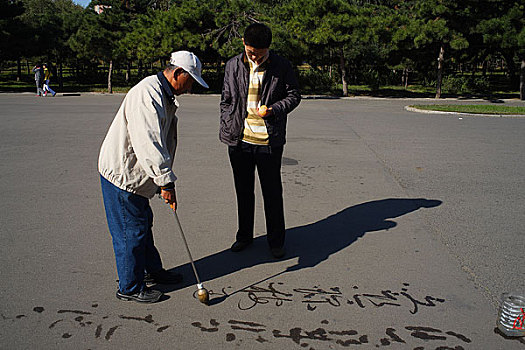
344	337
277	294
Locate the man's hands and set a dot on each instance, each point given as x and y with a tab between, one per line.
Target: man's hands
264	111
170	197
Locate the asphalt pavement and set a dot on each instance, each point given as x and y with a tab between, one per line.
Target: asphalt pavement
403	230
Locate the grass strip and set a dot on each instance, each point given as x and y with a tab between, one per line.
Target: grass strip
474	109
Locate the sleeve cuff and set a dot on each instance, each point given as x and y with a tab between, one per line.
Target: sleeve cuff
169	186
165	179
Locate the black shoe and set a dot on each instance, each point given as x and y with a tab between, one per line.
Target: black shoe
278	252
146	296
238	246
163	277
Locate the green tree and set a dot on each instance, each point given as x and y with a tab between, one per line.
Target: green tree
230	18
504	32
14	34
69	18
38	29
99	33
141	43
324	26
349	34
184	25
402	55
41	17
440	26
156	34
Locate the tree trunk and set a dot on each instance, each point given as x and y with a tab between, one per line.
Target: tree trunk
441	59
18	69
511	69
76	70
522	80
404	78
343	72
128	72
60	74
110	89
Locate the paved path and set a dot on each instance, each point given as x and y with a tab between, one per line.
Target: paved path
403	230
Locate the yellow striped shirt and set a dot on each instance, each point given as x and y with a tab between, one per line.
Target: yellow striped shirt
254	127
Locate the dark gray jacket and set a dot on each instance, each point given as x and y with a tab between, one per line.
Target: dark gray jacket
39	74
280	91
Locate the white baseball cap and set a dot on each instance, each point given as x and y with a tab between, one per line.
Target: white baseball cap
190	63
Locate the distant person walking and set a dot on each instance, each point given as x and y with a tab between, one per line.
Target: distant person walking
39	79
47	76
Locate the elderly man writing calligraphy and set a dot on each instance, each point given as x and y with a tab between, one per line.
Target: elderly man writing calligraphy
136	159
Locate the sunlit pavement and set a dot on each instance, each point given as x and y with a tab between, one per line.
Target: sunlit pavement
403	229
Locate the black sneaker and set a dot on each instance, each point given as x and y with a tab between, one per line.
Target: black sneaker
238	246
146	296
278	252
163	277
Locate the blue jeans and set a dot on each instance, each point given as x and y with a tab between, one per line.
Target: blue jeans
130	220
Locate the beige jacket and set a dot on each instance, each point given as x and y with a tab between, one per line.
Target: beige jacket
138	151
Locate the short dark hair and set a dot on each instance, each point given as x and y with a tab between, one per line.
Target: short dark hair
258	35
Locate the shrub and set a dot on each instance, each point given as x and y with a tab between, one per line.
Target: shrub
313	80
465	85
453	84
480	84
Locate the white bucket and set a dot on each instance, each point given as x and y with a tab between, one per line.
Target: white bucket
511	315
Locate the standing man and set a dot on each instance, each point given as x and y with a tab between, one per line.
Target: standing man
259	91
39	79
135	160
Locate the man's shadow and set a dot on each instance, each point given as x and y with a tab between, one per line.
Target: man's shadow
311	243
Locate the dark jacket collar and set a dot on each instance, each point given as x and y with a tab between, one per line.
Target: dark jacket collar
166	87
265	63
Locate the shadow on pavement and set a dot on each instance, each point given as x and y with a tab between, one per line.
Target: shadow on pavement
311	244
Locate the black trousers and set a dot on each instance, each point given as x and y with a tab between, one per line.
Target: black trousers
244	159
